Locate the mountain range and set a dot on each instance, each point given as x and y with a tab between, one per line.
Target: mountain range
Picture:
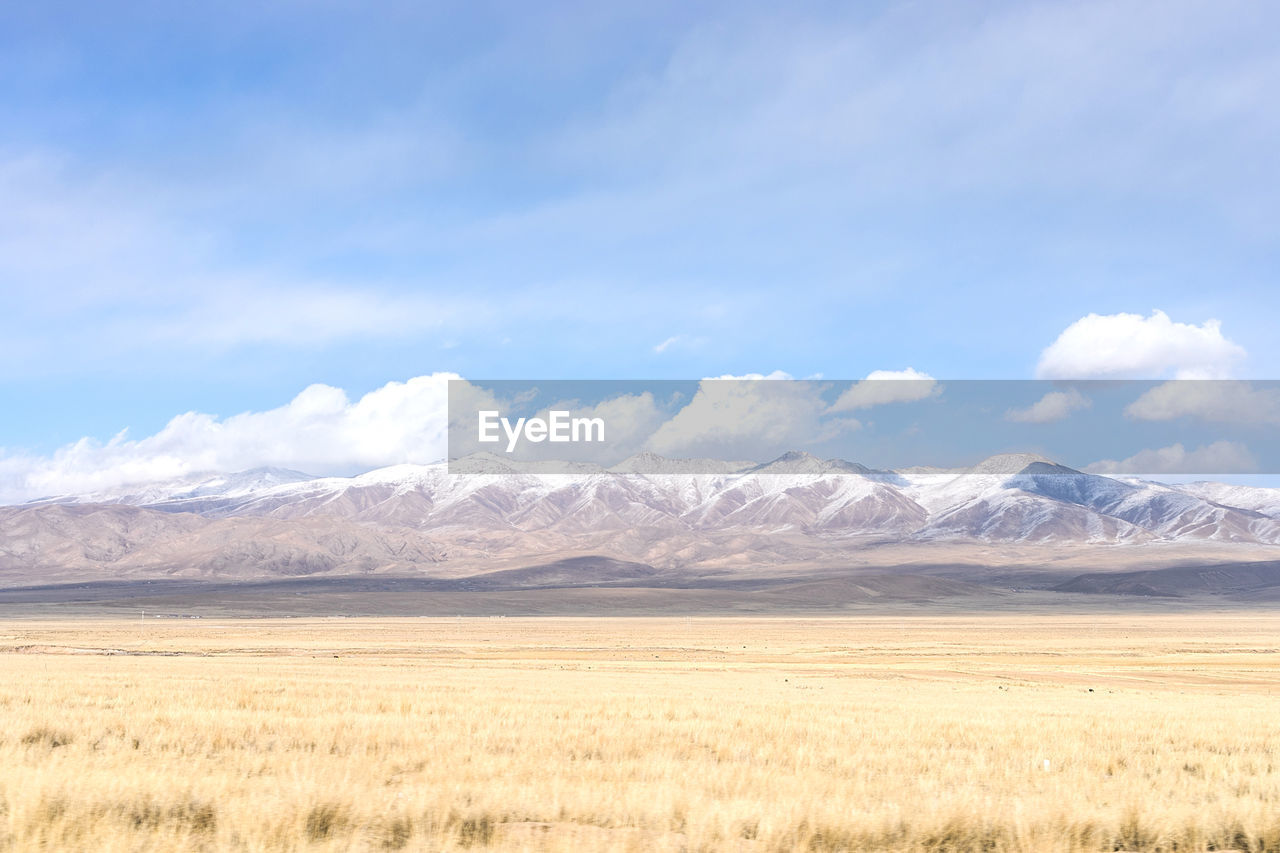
678	518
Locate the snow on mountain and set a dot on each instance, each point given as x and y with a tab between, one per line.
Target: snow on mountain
1156	508
1025	498
192	489
1012	498
1264	501
801	492
1007	498
800	463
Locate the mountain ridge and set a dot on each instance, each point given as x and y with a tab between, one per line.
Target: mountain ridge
796	509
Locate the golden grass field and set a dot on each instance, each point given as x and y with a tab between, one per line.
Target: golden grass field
911	733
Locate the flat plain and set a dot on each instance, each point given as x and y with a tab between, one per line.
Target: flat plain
961	732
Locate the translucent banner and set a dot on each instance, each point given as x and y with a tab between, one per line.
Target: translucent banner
717	426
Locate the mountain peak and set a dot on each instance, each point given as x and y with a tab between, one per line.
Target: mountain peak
1009	464
800	462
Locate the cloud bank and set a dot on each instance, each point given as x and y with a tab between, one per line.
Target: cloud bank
1220	402
1220	457
321	430
324	431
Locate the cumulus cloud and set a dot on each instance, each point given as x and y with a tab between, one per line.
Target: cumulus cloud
632	419
1053	406
1222	402
748	417
1220	457
887	386
775	376
1120	346
320	431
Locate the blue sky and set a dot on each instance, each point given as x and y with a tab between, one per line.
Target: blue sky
209	208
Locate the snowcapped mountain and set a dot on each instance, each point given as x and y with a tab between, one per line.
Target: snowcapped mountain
1264	501
1017	497
192	491
666	513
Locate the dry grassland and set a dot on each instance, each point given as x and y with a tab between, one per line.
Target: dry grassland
998	733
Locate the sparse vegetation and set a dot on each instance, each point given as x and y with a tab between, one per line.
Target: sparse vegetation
1002	733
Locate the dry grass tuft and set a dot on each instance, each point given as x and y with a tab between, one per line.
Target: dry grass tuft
326	821
44	736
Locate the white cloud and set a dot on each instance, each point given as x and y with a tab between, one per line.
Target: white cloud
320	431
775	376
1222	402
679	342
743	417
1130	346
1221	457
1053	406
887	386
632	419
